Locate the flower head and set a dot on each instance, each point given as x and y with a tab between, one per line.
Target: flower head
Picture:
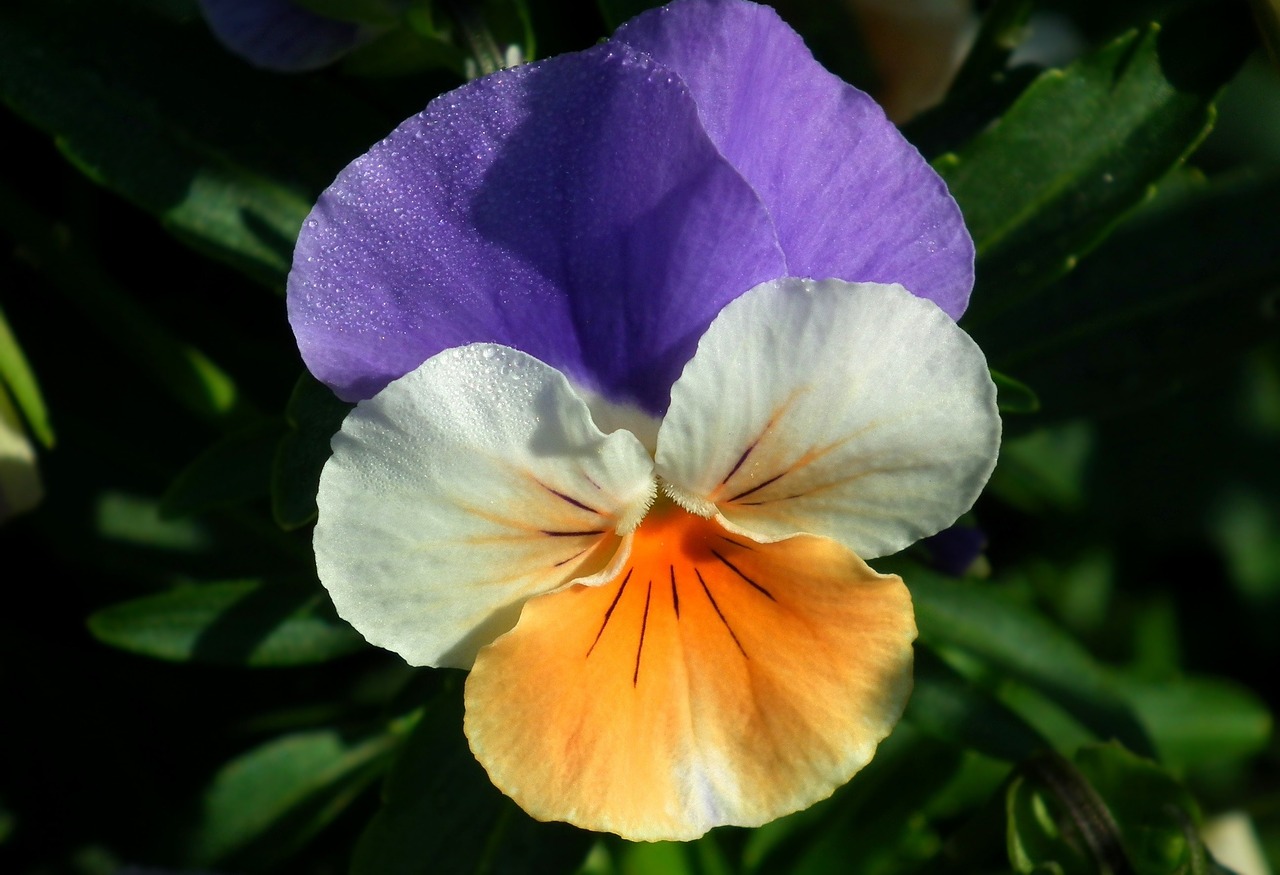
613	453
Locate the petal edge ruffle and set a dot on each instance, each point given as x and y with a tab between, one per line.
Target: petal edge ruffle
711	682
850	197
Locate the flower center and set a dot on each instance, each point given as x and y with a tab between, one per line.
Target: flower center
677	557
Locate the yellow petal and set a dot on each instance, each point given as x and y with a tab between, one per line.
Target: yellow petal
714	680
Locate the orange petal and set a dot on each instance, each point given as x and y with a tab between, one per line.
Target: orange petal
713	681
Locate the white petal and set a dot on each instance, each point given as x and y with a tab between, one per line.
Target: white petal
851	410
463	489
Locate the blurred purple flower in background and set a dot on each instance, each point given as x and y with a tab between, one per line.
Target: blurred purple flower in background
281	35
597	210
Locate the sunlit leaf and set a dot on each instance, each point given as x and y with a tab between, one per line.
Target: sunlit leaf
17	377
1035	841
231	623
229	158
267	803
1014	396
655	858
948	706
1082	146
1044	471
1200	720
136	520
1024	645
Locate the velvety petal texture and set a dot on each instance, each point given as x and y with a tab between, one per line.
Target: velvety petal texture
597	210
850	410
711	681
850	198
469	485
573	209
278	34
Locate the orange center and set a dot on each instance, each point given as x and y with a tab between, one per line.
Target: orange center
677	554
711	679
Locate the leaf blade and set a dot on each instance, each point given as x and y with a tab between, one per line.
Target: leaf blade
247	623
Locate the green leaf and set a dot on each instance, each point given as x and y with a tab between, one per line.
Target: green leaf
1155	814
1021	644
314	416
702	856
247	623
266	804
948	706
875	823
1200	720
655	858
1267	14
235	470
1058	822
1014	396
406	50
1108	811
441	816
21	488
1184	275
1245	525
230	158
1035	842
16	375
494	34
191	377
1004	26
1082	146
134	519
1044	471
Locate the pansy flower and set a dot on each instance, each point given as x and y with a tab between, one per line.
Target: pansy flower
654	345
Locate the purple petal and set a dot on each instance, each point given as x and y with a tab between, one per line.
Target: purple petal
279	35
573	209
850	197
